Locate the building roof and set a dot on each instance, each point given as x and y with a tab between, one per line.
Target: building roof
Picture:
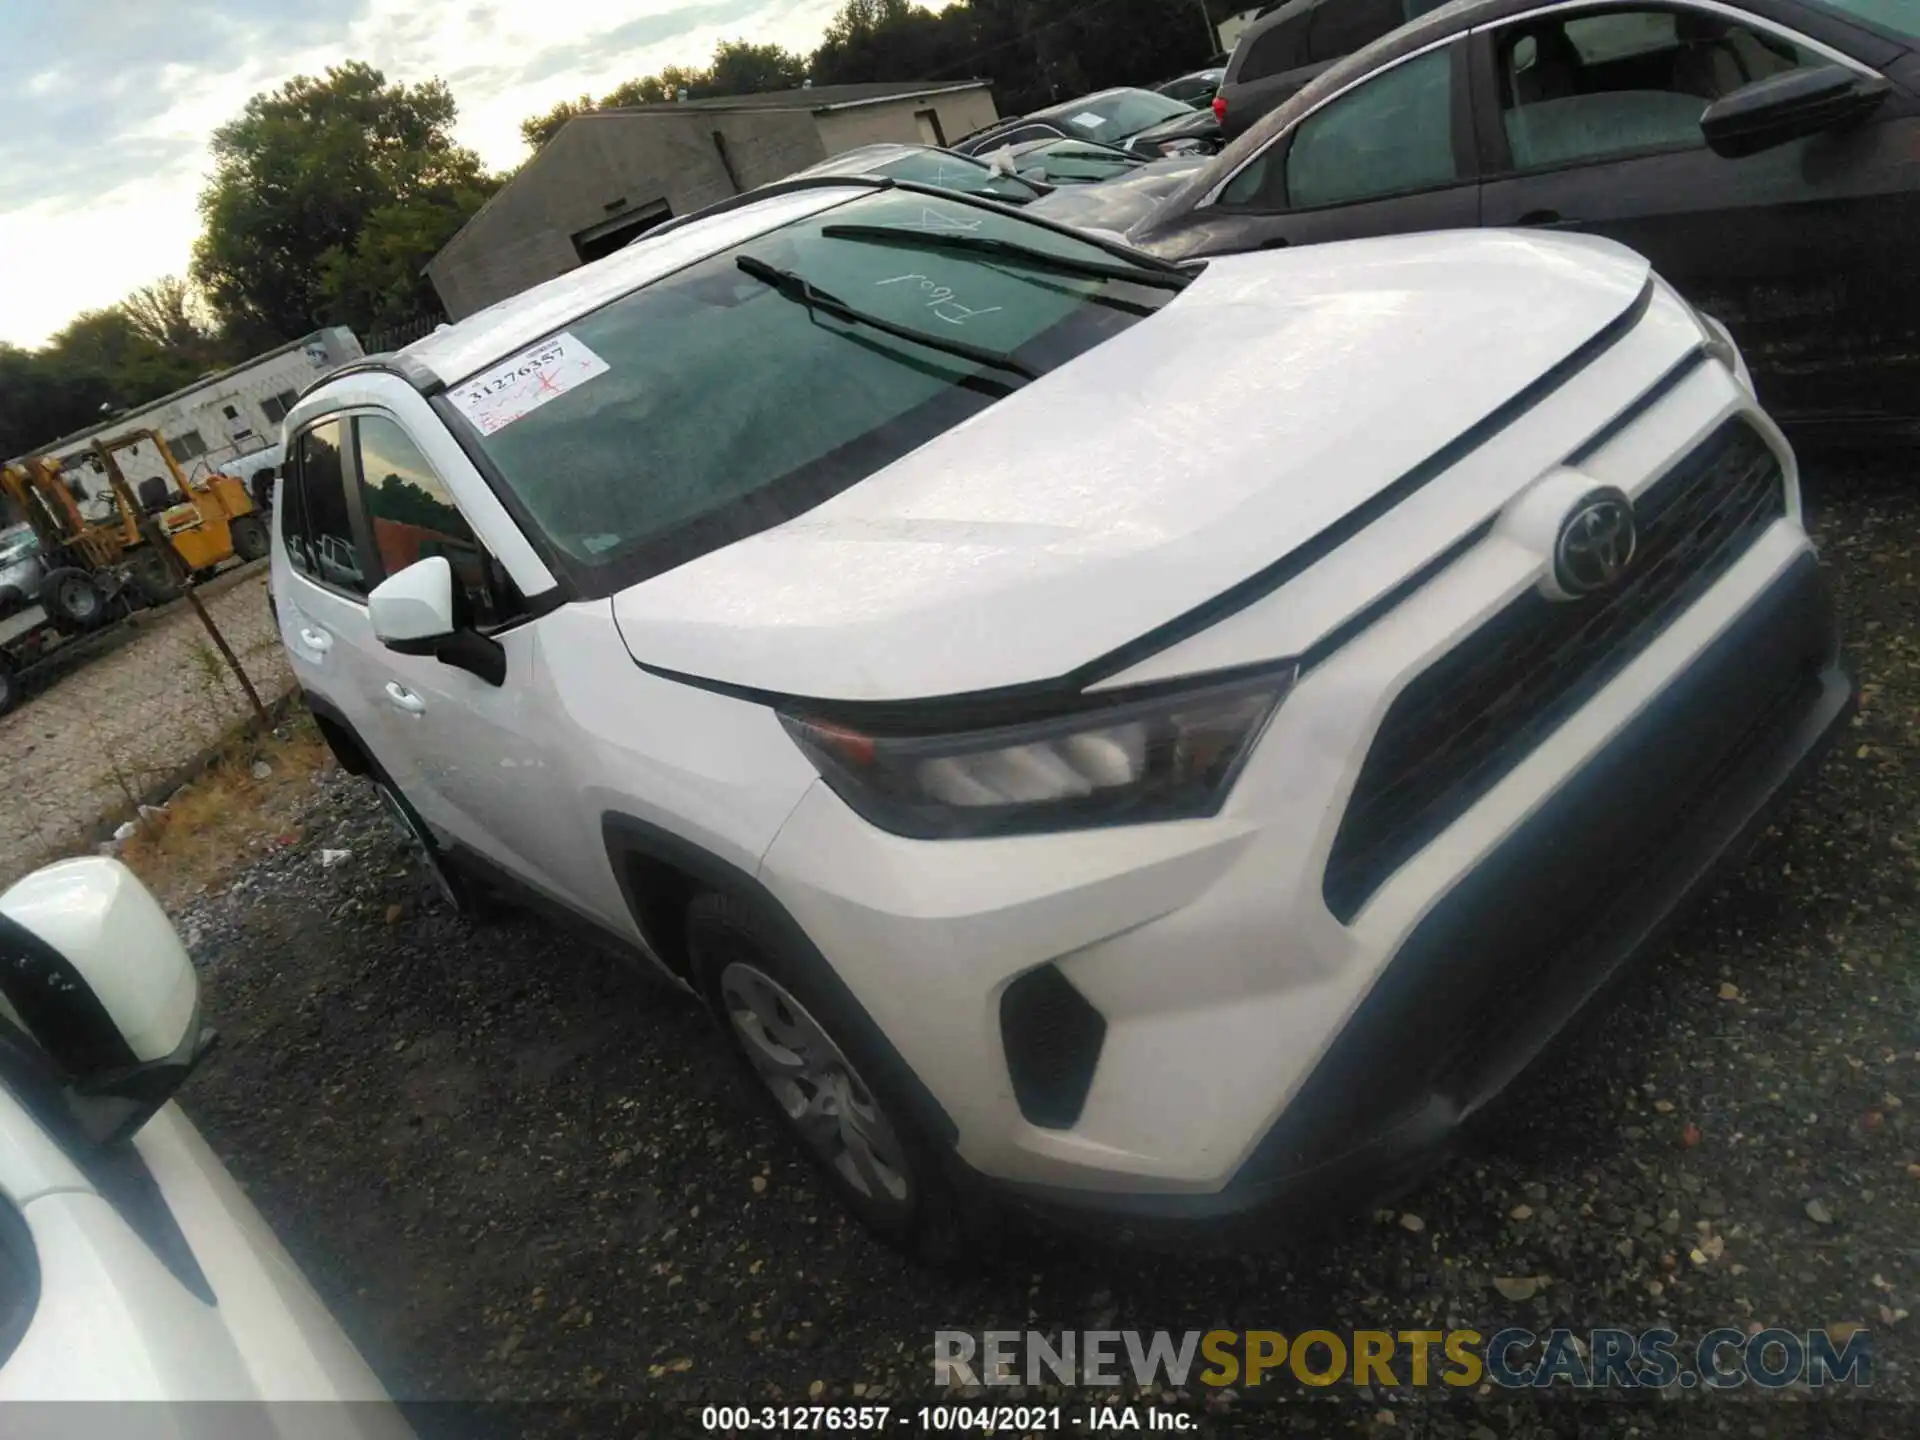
120	418
814	98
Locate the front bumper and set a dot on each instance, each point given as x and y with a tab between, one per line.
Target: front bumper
1514	953
1254	1047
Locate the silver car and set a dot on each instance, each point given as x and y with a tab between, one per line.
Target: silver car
21	567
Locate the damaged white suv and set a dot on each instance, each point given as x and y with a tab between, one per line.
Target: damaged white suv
1162	744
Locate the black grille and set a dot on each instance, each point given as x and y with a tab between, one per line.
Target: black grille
1483	707
1053	1037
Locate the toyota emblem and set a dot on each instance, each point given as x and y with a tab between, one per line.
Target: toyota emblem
1596	543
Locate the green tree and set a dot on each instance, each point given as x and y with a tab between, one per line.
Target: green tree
44	396
110	345
1037	52
741	67
170	314
298	180
537	130
380	281
659	89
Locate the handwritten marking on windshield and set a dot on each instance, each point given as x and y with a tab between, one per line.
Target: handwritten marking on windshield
938	221
940	300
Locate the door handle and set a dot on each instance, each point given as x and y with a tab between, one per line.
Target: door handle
316	639
404	699
1542	217
1278	242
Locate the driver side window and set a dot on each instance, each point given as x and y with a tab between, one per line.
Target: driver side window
412	516
1596	84
1391	135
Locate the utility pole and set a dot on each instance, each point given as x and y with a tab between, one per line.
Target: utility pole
1213	36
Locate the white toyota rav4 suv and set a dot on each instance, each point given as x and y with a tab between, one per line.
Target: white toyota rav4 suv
1162	744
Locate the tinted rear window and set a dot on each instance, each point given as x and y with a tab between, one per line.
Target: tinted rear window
1110	118
714	407
1276	50
1341	27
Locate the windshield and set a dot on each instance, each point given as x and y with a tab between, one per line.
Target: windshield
1060	160
1126	112
712	404
1896	17
958	172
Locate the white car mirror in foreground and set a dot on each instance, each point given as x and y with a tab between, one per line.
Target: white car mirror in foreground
412	611
98	998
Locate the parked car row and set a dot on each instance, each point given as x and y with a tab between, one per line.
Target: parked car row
1015	174
1759	152
1141	122
1157	743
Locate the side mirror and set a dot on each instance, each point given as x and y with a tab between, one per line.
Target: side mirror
421	611
99	1003
413	611
1787	107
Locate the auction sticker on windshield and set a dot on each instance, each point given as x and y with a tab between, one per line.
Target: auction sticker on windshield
519	386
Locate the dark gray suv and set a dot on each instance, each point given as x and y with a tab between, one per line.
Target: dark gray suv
1293	42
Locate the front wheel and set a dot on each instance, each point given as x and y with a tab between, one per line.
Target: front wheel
73	600
153	578
9	686
828	1087
249	538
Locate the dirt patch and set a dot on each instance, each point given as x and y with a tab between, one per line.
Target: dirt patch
153	696
252	796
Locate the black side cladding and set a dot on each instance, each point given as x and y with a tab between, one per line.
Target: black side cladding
1465	722
1052	1035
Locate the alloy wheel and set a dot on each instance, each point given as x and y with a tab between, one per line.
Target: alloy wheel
817	1087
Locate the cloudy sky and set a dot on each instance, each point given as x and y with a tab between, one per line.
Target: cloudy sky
111	103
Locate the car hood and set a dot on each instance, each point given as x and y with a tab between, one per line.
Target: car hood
1200	124
1275	394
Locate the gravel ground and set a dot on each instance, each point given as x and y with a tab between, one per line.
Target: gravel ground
123	711
517	1170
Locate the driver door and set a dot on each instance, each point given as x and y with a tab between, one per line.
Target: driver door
1588	120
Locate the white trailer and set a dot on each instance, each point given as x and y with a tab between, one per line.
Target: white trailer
227	421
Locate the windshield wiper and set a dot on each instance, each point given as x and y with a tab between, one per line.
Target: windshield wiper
804	291
1151	272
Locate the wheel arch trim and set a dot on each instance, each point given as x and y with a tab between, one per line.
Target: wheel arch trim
628	838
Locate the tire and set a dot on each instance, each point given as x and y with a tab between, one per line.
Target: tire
73	600
249	538
153	579
9	686
12	598
839	1103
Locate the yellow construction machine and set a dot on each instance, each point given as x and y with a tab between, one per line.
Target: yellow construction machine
207	520
90	562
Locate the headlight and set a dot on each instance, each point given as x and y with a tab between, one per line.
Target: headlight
1170	756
